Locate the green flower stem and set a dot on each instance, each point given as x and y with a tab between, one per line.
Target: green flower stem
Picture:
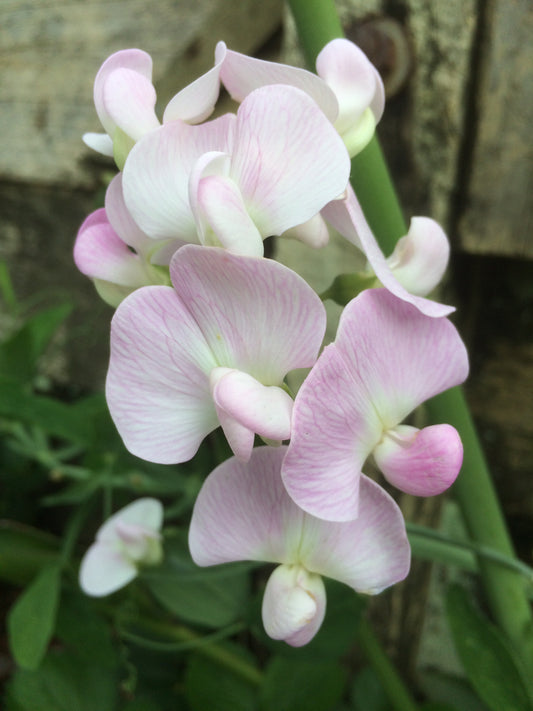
221	655
399	697
475	494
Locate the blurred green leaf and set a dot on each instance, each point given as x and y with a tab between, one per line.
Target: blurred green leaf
24	551
444	689
214	597
62	683
20	352
31	620
294	685
486	656
209	686
367	694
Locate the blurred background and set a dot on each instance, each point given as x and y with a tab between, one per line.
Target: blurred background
457	136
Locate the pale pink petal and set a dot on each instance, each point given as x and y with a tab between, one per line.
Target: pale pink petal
133	59
354	80
99	142
157	385
145	512
420	462
196	102
288	160
334	429
104	570
368	554
386	360
156	175
120	219
99	253
129	101
314	232
240	438
243	513
400	356
223	209
266	410
257	315
420	258
294	605
241	75
347	217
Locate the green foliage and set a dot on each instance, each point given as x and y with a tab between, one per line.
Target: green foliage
488	660
295	685
346	287
31	621
208	686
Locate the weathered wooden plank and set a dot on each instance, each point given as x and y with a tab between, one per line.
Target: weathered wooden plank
498	216
50	52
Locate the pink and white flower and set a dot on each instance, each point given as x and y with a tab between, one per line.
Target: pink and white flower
243	512
348	87
112	250
211	351
124	98
386	360
234	181
124	543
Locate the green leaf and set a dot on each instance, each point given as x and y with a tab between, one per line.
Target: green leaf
19	353
487	659
24	551
294	685
214	597
367	694
62	683
53	416
448	690
31	620
211	686
346	287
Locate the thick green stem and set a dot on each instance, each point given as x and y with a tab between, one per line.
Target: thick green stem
317	23
399	697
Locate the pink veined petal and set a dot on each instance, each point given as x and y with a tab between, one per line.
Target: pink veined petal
133	59
121	220
347	217
129	100
369	553
146	512
265	410
400	357
257	315
223	209
104	570
99	253
288	160
420	258
240	438
420	462
243	513
196	102
334	429
156	175
241	75
99	142
157	386
353	79
294	605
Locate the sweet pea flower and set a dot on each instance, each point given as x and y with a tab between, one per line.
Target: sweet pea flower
116	254
386	360
212	350
243	512
414	268
124	98
237	179
348	87
125	542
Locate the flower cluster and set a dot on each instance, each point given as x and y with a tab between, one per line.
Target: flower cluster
207	329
